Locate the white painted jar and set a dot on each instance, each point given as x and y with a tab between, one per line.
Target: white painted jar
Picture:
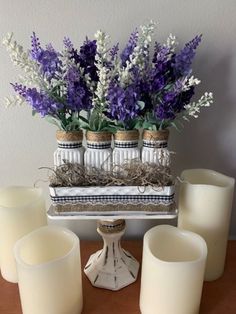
98	153
173	268
70	148
125	146
155	147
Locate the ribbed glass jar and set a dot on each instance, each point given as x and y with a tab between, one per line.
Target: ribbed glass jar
155	147
125	146
98	153
70	148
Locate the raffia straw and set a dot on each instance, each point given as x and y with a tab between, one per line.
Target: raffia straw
130	173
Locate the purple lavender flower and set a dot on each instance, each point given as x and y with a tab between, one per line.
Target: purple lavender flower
78	95
114	50
157	48
158	82
183	60
169	97
50	47
161	73
165	109
49	63
159	76
39	101
47	58
128	50
122	103
164	112
187	95
86	58
183	99
19	89
35	47
75	55
68	43
88	50
42	103
161	57
169	102
172	101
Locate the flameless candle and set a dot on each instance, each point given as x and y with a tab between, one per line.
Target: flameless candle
172	271
22	209
49	271
205	204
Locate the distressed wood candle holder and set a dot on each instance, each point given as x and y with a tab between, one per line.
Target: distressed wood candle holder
112	267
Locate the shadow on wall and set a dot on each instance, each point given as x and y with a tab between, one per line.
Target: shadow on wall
210	140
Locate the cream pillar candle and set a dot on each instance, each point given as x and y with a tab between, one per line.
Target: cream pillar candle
172	271
49	271
22	209
205	204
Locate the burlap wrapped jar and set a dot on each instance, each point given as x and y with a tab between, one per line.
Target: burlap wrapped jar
70	147
155	147
125	147
98	153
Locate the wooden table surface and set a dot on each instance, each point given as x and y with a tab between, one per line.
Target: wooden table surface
219	297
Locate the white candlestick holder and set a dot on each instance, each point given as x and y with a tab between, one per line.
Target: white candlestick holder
112	267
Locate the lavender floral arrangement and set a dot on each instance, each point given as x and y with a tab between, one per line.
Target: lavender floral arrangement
97	88
55	83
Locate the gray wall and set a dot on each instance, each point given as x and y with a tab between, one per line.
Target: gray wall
209	142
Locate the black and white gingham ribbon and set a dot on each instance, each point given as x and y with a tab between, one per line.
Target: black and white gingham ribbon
155	144
70	145
98	145
113	198
130	144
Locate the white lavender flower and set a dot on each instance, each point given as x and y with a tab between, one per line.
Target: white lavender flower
103	72
14	101
21	58
140	53
190	81
193	109
171	43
